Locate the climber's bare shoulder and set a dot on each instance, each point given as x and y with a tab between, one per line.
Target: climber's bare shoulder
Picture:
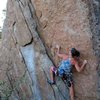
63	56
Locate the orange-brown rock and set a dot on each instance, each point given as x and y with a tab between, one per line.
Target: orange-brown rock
31	31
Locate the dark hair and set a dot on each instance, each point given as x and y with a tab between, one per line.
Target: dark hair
75	52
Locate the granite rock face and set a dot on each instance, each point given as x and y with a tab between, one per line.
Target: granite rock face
31	31
95	24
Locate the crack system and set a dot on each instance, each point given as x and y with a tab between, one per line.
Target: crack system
46	53
94	12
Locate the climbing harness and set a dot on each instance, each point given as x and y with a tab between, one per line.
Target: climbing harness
67	78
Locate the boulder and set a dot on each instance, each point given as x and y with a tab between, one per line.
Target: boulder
31	31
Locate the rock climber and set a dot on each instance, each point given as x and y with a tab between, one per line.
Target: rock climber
64	69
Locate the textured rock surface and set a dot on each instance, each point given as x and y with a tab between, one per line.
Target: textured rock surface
95	24
31	30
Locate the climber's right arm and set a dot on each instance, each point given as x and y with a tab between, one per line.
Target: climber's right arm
63	56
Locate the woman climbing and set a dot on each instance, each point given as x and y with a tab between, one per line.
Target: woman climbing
64	70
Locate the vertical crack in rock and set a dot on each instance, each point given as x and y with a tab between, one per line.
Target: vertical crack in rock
36	38
94	6
34	55
20	21
54	92
29	57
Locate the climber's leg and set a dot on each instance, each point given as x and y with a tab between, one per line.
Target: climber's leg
53	71
71	89
52	77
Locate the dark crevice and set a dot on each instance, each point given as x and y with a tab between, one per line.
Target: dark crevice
46	51
14	23
13	36
20	2
30	10
29	42
38	35
94	20
61	92
50	85
38	31
94	25
16	39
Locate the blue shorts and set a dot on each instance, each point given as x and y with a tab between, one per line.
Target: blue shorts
68	77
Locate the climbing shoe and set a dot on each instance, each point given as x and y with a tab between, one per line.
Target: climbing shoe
51	82
69	84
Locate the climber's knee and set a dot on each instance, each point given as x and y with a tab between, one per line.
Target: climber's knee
53	69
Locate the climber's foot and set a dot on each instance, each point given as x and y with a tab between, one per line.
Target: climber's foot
51	82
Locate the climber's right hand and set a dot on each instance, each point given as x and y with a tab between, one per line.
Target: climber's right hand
58	47
85	62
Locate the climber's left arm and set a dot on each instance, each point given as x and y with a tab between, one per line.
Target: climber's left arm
80	68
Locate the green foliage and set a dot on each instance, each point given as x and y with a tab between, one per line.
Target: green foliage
7	89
